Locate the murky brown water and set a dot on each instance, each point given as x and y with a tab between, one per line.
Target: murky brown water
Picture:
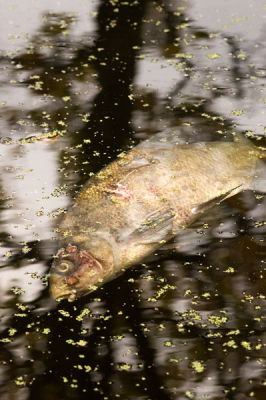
98	77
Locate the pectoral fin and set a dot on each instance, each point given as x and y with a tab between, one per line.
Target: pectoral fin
217	200
156	228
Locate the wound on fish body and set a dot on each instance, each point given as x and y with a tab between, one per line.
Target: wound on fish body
159	188
121	191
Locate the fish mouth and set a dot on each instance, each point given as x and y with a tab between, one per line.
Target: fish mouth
61	289
68	294
70	297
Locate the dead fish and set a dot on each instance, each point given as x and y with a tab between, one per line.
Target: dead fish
140	201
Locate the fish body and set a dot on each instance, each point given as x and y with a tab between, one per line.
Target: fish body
134	205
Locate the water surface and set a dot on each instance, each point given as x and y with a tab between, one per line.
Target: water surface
82	81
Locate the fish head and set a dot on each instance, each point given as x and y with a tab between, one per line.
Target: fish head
76	272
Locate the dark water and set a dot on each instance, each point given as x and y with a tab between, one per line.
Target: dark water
99	77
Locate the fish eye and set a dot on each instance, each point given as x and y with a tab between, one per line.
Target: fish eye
65	268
